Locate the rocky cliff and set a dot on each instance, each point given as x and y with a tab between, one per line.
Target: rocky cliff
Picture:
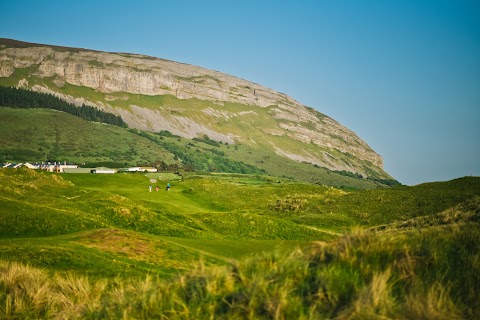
200	101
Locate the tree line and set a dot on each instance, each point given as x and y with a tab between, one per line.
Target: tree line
21	98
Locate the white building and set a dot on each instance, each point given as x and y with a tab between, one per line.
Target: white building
103	170
141	169
31	166
57	167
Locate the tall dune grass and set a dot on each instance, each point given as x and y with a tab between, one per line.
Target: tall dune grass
416	274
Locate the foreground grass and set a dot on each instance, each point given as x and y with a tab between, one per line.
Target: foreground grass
235	246
111	253
429	274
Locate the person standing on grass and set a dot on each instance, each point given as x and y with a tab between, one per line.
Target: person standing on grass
150	188
168	186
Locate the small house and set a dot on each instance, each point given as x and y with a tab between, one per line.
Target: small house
103	170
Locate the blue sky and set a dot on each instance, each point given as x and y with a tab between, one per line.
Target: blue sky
404	75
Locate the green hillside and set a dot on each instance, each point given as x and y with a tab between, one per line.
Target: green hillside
41	135
211	208
229	246
50	135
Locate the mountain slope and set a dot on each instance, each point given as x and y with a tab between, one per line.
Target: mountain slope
49	135
154	94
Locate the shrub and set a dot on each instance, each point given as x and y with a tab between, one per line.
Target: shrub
289	204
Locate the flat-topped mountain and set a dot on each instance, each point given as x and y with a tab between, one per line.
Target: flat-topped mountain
155	95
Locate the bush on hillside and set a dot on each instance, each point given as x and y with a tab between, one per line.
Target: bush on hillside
289	204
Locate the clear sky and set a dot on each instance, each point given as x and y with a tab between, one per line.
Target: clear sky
404	75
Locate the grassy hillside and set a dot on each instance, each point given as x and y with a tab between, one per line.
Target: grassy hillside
49	135
407	275
219	206
229	246
40	205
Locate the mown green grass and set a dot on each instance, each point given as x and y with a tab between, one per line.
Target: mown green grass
216	207
61	256
229	250
323	207
106	253
109	253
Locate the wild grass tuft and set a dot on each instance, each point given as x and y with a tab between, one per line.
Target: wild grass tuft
27	292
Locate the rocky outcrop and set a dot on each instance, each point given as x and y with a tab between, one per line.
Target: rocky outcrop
113	73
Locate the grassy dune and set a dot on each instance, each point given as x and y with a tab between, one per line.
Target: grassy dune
412	275
235	246
44	214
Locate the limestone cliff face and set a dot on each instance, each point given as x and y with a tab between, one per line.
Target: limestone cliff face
113	73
